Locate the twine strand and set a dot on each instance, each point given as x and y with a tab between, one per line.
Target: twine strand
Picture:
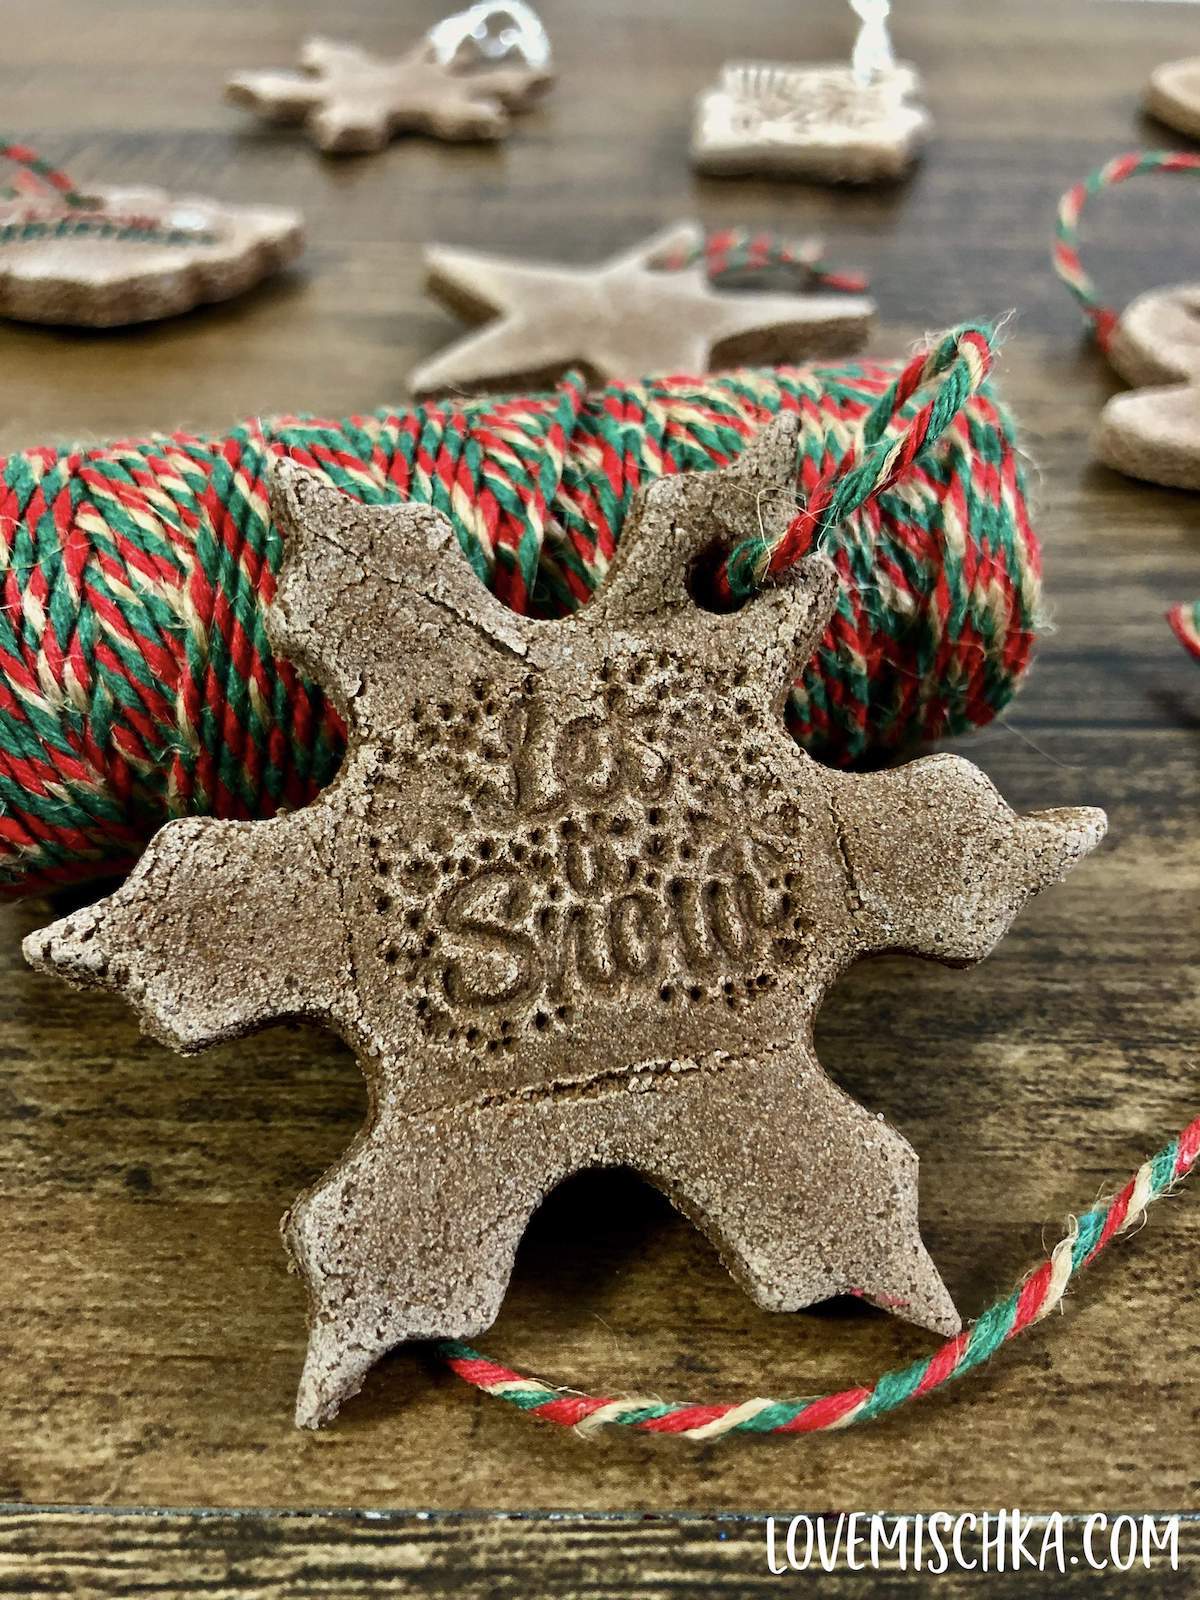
1039	1293
955	368
37	176
1183	618
1065	253
732	255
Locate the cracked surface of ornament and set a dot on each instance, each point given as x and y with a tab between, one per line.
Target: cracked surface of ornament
574	900
819	122
352	101
622	318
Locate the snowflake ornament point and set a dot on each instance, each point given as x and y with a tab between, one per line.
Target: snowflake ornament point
574	900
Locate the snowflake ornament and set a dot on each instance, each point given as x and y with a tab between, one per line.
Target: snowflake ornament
352	101
574	900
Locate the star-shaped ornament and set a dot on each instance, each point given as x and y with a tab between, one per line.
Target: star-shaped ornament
574	900
351	101
623	319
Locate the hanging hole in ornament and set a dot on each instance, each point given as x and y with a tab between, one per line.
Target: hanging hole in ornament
702	580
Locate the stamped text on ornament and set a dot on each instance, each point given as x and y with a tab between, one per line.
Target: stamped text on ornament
574	900
600	874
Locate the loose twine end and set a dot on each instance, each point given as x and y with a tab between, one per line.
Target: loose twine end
890	442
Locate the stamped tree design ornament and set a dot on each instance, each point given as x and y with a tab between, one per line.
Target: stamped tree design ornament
838	124
574	900
460	81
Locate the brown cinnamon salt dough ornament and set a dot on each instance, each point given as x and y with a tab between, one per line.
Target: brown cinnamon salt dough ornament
137	255
1153	432
352	101
622	319
574	900
822	122
1173	95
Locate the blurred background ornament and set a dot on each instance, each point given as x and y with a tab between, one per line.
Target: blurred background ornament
459	82
1152	432
838	124
649	310
492	34
1173	95
119	255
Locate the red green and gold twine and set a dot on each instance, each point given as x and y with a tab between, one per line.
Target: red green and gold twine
955	368
733	255
1037	1296
1185	623
1183	619
137	682
1067	262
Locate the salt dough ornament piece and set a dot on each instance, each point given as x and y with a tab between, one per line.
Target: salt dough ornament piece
1153	432
837	124
351	101
814	122
1173	95
1154	435
1156	339
135	255
622	319
574	901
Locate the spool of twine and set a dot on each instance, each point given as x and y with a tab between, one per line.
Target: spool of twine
137	682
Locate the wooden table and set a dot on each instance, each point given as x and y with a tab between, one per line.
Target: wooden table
151	1337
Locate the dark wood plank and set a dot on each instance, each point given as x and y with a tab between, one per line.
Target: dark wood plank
152	1338
97	1555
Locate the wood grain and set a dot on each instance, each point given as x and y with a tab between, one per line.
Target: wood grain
476	1556
152	1339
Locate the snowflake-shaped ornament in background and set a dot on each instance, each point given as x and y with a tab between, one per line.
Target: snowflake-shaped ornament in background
460	82
574	900
838	124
